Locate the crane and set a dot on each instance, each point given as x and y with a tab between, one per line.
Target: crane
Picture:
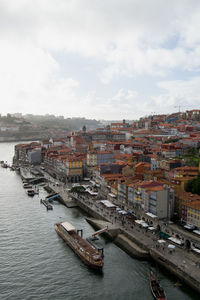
179	107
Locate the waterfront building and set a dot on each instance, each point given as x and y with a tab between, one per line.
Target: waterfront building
187	207
22	150
193	213
34	156
74	169
122	192
158	200
134	195
152	197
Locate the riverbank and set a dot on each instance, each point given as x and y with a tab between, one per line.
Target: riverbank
43	263
14	139
136	241
118	236
139	243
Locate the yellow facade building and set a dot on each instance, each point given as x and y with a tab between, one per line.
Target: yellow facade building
74	169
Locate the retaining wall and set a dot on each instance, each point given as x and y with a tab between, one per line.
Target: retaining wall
174	269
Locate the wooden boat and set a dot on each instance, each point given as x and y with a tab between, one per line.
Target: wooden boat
87	252
156	289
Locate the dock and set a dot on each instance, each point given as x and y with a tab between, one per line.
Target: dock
46	204
139	243
116	234
63	195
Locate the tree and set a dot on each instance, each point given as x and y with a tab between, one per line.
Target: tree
193	186
192	152
77	189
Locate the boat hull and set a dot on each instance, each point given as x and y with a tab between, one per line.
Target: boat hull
157	292
76	249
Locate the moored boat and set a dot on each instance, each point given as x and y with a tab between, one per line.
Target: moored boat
4	165
31	193
156	289
27	185
87	252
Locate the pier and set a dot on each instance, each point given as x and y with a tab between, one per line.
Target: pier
138	242
143	244
46	204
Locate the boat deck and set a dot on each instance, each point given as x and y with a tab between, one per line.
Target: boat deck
84	244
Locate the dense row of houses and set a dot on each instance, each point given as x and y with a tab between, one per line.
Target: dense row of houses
140	165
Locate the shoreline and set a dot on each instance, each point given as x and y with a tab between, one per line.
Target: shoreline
136	242
134	245
12	140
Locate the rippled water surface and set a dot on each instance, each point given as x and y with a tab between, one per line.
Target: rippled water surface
36	264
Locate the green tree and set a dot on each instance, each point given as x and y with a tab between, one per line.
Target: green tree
77	189
193	186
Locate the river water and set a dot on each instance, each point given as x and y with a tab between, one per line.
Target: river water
36	264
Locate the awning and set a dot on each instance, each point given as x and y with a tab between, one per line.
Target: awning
139	222
197	231
196	250
189	227
91	192
92	182
122	212
112	195
175	240
171	246
151	215
108	203
151	228
142	223
163	234
161	241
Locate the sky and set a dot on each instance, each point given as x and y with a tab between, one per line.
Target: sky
99	59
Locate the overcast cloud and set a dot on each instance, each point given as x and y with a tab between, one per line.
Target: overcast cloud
108	59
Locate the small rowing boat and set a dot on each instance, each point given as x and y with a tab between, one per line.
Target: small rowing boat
156	289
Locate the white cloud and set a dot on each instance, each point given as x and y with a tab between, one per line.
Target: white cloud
183	93
90	27
127	38
29	80
123	104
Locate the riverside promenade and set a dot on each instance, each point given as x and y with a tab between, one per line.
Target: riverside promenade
136	241
142	243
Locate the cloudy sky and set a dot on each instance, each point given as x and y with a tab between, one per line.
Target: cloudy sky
103	59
